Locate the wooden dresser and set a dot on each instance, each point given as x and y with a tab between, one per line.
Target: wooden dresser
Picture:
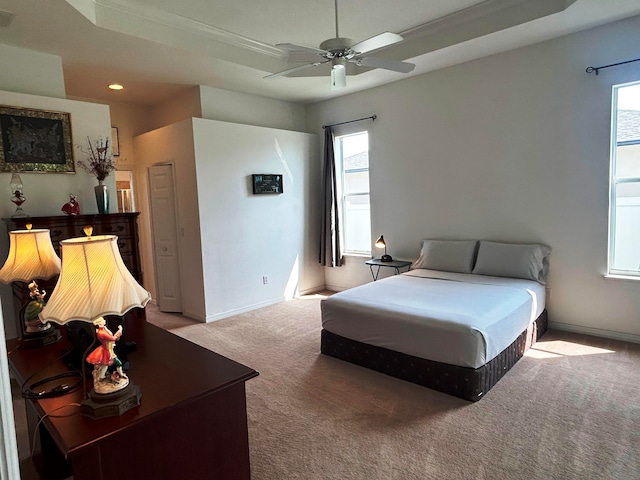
61	227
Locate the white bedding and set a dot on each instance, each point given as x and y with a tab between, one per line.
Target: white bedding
455	318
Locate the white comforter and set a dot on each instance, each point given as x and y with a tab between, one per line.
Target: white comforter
455	318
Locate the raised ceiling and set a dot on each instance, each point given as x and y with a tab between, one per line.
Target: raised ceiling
156	47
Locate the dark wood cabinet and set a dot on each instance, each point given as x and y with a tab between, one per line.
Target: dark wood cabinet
61	227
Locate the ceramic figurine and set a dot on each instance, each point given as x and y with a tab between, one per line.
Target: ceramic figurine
72	207
103	357
32	322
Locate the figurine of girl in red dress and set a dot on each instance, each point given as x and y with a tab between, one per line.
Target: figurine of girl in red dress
72	207
103	357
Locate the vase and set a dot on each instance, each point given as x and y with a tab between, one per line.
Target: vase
102	197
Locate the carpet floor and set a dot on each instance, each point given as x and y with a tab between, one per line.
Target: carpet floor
568	410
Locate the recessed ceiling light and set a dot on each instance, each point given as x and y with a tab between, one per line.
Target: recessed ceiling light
116	86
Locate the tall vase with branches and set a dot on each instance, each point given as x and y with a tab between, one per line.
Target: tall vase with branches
100	163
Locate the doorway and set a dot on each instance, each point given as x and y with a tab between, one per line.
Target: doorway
124	190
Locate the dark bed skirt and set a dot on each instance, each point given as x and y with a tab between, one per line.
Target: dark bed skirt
464	382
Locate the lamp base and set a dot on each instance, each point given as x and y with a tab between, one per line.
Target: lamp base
102	405
386	258
33	340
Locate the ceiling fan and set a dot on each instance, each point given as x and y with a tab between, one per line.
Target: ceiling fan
339	51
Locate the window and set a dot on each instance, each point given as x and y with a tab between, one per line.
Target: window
352	156
624	209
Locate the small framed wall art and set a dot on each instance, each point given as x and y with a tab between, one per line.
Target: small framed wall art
115	142
35	141
267	183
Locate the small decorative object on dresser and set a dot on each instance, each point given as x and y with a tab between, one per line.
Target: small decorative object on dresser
17	196
72	207
100	163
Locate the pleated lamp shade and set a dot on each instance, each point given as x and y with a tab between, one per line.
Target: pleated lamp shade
31	256
94	281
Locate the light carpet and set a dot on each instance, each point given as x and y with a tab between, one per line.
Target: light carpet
568	410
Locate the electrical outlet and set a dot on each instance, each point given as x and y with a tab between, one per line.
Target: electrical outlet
265	280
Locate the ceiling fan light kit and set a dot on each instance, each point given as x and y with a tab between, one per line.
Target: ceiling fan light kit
338	73
339	51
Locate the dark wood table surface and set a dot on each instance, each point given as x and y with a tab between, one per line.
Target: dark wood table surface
193	405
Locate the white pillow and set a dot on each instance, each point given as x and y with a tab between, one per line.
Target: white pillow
513	260
447	255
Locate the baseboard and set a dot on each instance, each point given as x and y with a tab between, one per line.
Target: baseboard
596	332
312	290
335	288
248	308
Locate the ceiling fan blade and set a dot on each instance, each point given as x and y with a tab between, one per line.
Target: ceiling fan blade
292	47
382	40
376	62
301	54
295	69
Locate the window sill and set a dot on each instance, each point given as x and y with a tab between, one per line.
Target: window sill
631	278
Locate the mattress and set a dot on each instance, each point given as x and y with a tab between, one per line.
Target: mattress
454	318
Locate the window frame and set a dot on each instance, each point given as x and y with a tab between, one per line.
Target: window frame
342	195
614	182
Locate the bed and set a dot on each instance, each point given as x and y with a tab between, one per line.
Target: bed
456	322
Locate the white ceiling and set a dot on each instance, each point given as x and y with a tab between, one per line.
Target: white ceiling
157	47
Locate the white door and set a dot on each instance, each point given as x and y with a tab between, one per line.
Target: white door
165	238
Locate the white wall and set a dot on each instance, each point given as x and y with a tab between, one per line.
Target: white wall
512	147
238	107
247	236
27	71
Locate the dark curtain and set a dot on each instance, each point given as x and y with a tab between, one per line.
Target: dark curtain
330	251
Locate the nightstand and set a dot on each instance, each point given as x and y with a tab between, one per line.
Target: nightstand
396	264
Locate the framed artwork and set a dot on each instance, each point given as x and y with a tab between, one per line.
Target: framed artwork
267	183
115	142
35	141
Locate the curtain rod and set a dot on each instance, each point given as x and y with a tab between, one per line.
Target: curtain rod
372	117
596	69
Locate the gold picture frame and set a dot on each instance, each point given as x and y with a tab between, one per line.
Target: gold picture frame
37	141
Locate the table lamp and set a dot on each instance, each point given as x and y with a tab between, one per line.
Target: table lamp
31	256
380	243
94	282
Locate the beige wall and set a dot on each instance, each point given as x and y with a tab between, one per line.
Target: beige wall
184	105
